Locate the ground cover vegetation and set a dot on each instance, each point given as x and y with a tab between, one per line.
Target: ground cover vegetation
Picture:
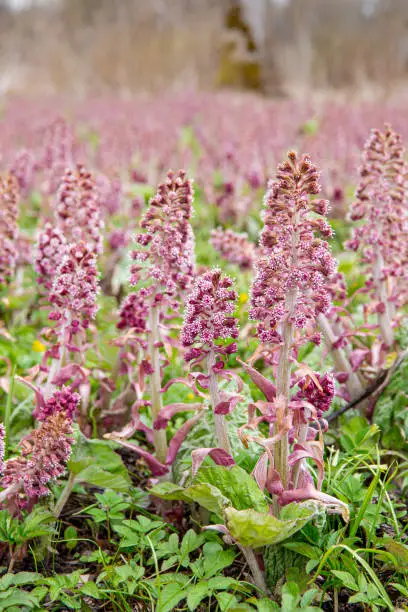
203	369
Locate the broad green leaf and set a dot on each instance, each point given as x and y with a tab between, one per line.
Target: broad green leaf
196	594
216	559
191	541
91	590
302	548
236	485
20	600
71	537
220	583
99	477
170	596
205	495
22	578
251	528
347	579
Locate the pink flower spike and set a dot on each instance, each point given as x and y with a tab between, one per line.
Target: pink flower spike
209	315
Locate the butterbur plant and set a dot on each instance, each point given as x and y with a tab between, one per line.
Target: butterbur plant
382	235
44	454
163	272
73	300
8	228
209	323
290	289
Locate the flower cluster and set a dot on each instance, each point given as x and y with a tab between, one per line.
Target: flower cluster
318	391
44	454
78	208
8	227
75	287
134	312
381	203
58	154
294	265
167	244
23	169
50	251
209	315
65	400
234	248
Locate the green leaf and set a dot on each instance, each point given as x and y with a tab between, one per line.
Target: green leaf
302	548
266	605
399	551
20	579
196	594
215	558
290	596
220	583
191	542
99	477
71	537
346	579
236	485
254	529
91	590
227	602
205	495
170	596
20	599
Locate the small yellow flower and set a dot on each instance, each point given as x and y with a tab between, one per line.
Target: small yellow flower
190	396
38	346
243	298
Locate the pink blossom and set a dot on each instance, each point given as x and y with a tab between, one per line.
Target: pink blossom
78	208
134	312
65	400
75	287
8	227
293	259
166	248
209	315
44	455
50	251
234	247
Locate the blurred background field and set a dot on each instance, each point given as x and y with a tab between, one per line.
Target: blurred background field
279	48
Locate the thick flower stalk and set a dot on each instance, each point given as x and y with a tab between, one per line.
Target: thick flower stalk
77	208
290	288
73	298
165	267
8	228
382	237
234	248
209	323
44	455
50	251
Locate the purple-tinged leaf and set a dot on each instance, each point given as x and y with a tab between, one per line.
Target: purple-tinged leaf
227	404
357	357
156	468
218	455
308	451
167	413
179	437
266	386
